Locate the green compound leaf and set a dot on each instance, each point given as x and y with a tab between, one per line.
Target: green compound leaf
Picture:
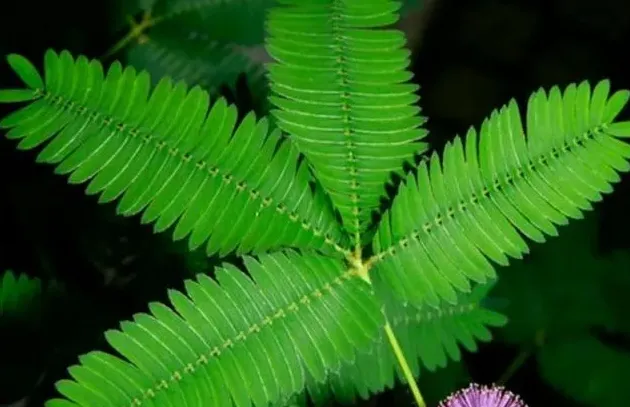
457	215
341	88
430	340
234	340
224	185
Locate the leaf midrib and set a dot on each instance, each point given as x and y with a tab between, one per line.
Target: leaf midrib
501	181
342	72
189	368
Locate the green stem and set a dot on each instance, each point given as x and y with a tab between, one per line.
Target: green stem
522	357
411	381
516	364
137	29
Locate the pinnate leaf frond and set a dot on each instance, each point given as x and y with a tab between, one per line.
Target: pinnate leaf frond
164	153
476	206
340	85
233	340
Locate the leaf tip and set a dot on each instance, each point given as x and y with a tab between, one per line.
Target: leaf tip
26	71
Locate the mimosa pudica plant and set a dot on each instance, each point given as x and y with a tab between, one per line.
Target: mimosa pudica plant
342	287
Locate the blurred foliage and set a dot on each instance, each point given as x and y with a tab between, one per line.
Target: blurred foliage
207	43
25	304
567	299
212	44
588	370
23	299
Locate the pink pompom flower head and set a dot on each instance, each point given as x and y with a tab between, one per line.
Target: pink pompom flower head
483	396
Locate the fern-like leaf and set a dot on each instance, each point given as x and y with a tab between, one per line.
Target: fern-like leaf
452	217
18	295
429	338
234	187
227	21
197	60
205	43
233	341
340	85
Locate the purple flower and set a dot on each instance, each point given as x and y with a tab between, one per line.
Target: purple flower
483	396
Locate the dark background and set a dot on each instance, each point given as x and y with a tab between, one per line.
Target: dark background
469	58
